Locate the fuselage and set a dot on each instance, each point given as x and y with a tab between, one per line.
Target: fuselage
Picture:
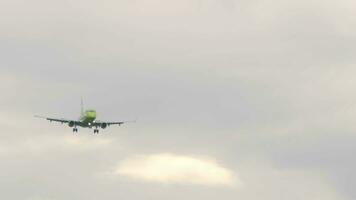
88	118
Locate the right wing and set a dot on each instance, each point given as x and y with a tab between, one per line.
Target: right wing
58	120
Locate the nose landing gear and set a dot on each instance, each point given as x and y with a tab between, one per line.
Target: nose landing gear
96	131
75	130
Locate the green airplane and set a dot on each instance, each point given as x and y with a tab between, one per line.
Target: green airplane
87	120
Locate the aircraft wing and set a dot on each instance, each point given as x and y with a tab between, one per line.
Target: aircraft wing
103	123
58	120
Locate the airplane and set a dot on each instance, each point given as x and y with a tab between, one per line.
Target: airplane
87	119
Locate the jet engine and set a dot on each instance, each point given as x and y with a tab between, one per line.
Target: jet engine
103	125
71	124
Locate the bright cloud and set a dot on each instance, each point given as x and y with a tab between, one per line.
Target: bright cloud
170	168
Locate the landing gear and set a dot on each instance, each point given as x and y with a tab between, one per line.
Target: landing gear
75	130
96	131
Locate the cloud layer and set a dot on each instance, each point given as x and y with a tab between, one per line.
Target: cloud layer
170	168
237	80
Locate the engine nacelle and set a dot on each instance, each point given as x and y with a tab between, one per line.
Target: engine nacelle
104	125
71	124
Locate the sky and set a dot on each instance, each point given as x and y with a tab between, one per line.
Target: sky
235	99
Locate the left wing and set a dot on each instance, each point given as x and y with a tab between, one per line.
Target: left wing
105	124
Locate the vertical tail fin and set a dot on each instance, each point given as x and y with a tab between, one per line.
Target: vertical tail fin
81	106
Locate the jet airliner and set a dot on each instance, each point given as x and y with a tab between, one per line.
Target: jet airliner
87	119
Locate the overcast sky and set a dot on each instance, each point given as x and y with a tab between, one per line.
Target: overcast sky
235	99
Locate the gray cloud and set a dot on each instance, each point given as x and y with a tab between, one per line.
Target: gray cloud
266	88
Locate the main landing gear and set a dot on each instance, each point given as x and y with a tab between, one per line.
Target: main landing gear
96	131
75	130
